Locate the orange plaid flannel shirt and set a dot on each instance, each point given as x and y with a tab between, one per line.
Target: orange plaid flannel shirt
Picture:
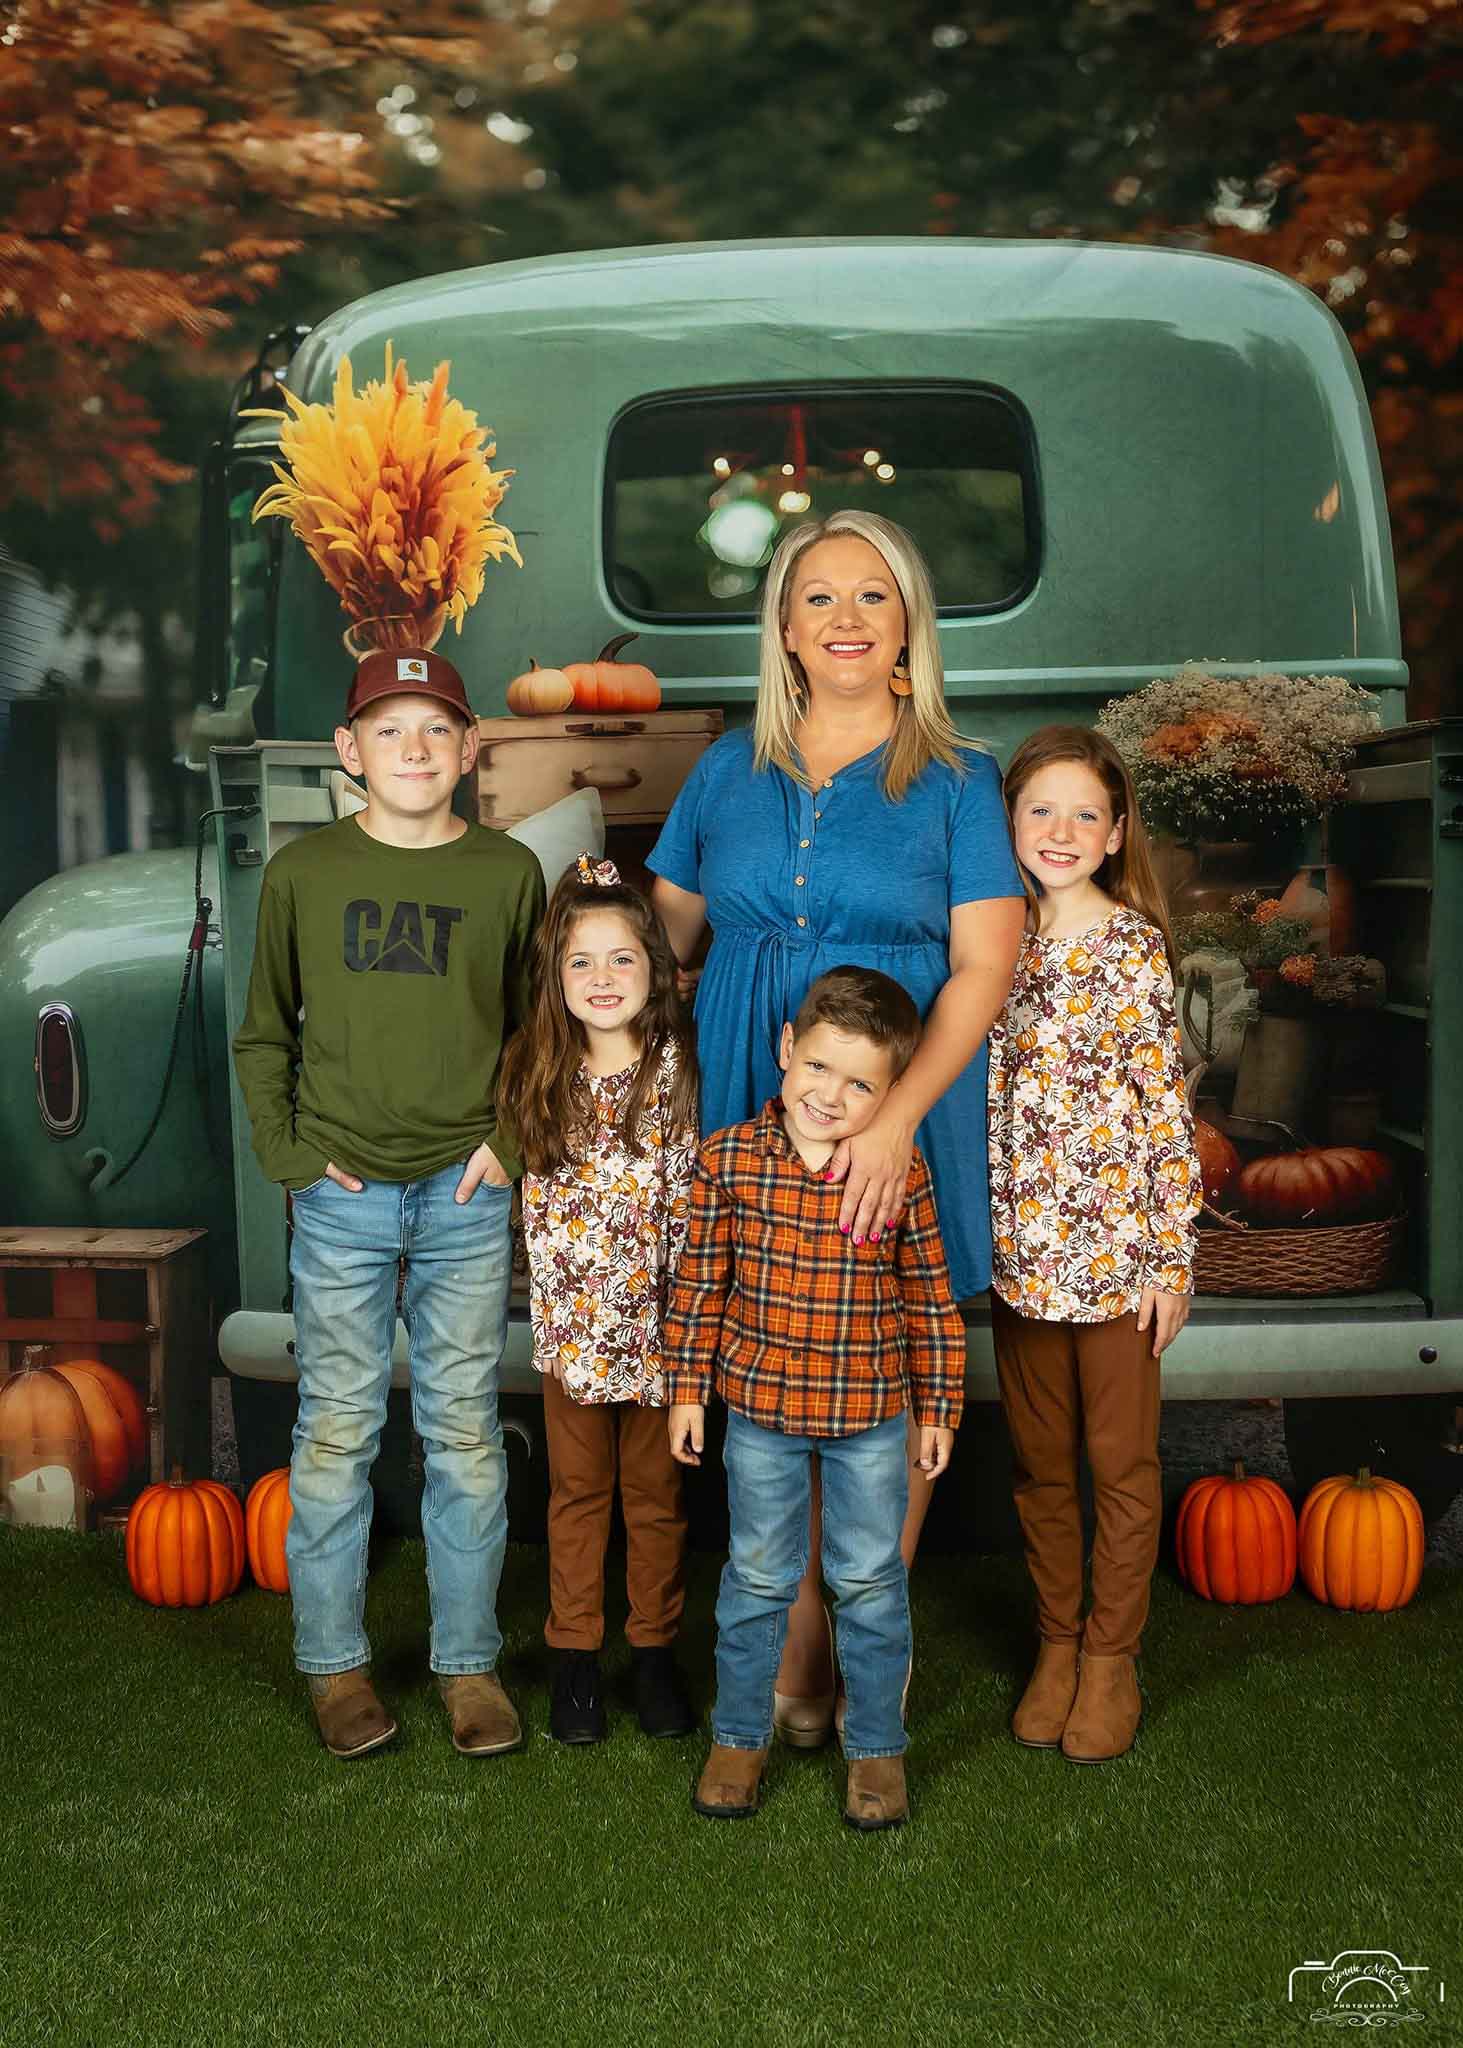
799	1328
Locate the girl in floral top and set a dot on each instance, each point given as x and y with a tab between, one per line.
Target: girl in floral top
1094	1190
601	1083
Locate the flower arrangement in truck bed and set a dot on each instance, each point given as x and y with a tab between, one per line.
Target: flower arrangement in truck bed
1278	952
392	492
1238	757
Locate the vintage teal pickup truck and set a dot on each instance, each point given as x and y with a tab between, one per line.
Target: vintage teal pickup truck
1117	459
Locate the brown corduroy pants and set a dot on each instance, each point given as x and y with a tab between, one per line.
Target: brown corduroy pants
591	1445
1066	1387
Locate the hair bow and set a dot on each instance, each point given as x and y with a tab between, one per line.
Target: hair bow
597	874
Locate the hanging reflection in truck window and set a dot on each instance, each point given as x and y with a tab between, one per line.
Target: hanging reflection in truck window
700	487
253	563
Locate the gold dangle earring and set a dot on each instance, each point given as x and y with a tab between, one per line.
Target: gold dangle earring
899	681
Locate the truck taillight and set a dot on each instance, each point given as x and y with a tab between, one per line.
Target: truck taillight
60	1070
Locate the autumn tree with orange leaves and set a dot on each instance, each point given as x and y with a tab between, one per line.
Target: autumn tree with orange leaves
1369	214
161	162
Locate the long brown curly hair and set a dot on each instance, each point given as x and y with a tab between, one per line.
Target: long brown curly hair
1128	875
541	1088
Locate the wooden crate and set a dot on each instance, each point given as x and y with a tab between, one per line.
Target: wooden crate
138	1300
637	763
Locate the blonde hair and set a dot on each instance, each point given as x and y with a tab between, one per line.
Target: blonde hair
1128	875
924	731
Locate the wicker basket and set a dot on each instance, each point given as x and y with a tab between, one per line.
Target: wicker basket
1341	1258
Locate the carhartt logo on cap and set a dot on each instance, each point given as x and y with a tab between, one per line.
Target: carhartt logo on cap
410	669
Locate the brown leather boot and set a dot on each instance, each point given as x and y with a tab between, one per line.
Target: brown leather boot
483	1719
1105	1715
730	1786
876	1796
351	1720
1047	1701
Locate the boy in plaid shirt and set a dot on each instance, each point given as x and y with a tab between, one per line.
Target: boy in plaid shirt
816	1343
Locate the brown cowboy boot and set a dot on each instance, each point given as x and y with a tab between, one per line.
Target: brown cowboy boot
730	1786
484	1722
1104	1717
351	1720
876	1796
1047	1701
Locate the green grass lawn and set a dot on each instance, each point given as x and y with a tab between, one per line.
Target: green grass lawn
180	1861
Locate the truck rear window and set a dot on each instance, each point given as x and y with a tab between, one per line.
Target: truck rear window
700	488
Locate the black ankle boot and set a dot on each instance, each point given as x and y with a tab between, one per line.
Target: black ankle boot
577	1708
661	1699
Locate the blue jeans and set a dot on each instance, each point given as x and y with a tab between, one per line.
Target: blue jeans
343	1262
865	1494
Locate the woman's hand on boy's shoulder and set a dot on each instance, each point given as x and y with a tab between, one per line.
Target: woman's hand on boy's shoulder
483	1165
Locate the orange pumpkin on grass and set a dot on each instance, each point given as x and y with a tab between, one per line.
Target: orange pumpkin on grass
267	1514
1361	1543
185	1543
606	684
1236	1538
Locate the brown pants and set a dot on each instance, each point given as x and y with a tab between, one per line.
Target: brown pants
1065	1386
590	1445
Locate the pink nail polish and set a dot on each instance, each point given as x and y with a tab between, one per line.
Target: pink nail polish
873	1237
858	1240
844	1228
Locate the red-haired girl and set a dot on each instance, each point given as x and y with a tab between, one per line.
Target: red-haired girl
1094	1190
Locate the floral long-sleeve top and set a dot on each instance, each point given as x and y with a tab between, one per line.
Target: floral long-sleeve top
604	1231
1094	1181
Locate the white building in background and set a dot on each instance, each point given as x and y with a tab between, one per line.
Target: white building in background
80	695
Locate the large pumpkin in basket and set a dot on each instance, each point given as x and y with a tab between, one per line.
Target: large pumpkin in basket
117	1421
1236	1539
266	1521
185	1543
1361	1542
1320	1184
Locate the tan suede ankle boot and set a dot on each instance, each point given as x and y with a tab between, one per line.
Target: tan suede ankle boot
730	1785
1105	1715
351	1720
1041	1717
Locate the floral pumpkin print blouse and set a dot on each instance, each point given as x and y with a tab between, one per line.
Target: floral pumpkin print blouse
1094	1181
604	1231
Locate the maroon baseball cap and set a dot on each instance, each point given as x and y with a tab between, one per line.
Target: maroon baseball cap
406	672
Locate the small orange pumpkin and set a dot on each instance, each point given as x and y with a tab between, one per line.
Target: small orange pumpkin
116	1419
606	684
1236	1538
539	692
1361	1542
185	1543
267	1514
1218	1161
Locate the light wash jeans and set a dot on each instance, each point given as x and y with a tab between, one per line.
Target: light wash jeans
865	1494
343	1262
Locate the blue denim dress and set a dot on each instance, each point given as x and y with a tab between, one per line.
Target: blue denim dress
797	881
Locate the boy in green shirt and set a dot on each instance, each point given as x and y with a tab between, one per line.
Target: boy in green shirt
390	966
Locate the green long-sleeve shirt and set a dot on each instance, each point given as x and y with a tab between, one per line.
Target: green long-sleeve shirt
385	982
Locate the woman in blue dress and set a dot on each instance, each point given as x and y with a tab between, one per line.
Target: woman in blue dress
852	824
